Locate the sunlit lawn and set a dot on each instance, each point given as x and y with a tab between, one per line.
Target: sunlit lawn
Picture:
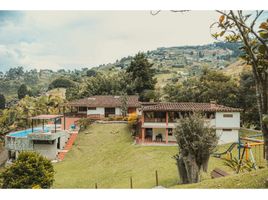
105	154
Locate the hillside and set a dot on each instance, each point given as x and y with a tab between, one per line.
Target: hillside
171	64
236	68
105	154
252	180
174	64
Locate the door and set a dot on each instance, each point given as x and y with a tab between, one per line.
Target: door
148	134
109	111
58	143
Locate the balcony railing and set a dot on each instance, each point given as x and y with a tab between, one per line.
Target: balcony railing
154	120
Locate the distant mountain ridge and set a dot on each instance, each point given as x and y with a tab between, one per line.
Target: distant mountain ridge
220	54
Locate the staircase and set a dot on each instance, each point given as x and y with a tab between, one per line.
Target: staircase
68	146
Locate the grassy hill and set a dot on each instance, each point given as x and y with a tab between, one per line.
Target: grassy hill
236	68
105	154
254	179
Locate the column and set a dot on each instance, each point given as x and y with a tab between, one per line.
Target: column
166	127
142	134
64	118
142	129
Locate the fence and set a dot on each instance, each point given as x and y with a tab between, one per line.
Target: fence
131	185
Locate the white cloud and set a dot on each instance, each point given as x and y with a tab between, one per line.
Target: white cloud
44	39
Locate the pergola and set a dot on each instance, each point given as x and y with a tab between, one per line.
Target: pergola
45	117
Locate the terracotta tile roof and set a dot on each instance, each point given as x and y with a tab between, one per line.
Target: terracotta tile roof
105	101
189	106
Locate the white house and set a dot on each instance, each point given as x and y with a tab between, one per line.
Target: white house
104	106
159	120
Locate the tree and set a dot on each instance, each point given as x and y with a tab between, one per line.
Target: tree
211	85
196	141
28	171
91	72
140	75
23	91
124	106
247	100
60	83
2	101
103	84
84	123
236	26
15	73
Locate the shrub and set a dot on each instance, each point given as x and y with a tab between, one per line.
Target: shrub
236	166
2	101
133	122
61	83
84	123
30	170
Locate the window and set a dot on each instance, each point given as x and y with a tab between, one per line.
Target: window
82	109
43	141
170	132
227	130
210	115
228	115
91	108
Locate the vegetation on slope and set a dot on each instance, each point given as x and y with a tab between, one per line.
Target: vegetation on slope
105	154
254	179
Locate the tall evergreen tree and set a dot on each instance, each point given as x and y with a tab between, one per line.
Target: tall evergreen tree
2	101
22	91
140	74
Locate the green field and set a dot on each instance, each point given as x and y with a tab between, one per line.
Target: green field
254	179
105	154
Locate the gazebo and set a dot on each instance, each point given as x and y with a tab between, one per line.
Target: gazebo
45	117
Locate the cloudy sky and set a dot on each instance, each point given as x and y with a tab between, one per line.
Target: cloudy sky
76	39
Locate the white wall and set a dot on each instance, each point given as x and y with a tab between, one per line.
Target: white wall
50	151
138	111
117	111
99	110
227	122
162	131
227	136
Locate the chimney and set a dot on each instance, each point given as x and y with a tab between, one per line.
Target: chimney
213	104
151	100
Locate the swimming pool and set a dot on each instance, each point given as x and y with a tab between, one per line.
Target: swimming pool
24	133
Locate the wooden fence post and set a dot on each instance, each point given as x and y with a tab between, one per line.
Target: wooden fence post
96	186
156	177
131	183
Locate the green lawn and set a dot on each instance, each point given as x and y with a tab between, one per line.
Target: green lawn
254	179
105	154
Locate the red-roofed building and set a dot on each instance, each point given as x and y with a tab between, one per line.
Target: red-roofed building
101	106
159	120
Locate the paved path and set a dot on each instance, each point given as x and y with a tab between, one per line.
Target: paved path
68	146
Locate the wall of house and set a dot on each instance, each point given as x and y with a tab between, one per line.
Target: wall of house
229	136
157	131
50	151
227	122
118	111
99	110
63	139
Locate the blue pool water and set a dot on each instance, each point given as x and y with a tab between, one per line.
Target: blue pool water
24	133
